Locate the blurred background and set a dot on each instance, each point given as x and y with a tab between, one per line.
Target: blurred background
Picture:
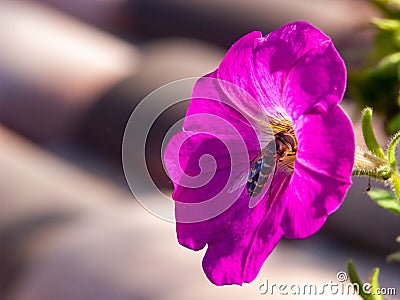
71	73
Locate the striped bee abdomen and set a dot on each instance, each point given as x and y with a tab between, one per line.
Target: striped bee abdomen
265	164
261	170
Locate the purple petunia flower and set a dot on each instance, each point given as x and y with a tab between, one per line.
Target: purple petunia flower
265	150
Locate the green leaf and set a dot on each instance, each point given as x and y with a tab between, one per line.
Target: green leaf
375	295
368	133
354	278
394	257
389	8
394	124
388	62
386	24
386	42
396	39
377	91
386	200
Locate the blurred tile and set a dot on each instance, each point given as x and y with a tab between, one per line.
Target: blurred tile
220	22
52	69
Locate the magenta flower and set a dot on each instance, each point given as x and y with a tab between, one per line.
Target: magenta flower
265	150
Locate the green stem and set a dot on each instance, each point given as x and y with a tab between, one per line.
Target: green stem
368	133
395	181
370	165
372	174
391	155
392	151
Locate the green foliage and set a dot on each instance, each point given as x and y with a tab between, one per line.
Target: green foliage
383	198
382	165
368	291
379	89
375	295
377	84
386	200
354	278
390	8
395	257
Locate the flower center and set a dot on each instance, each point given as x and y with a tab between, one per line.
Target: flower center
280	151
285	143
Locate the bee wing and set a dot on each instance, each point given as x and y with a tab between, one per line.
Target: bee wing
265	178
250	109
264	192
242	175
239	182
230	113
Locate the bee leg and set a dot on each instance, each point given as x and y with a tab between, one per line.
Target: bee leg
369	184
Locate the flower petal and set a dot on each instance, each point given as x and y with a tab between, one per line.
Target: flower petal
293	74
203	169
242	113
322	171
318	77
261	65
239	240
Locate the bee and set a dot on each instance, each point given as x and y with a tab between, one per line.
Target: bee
265	163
